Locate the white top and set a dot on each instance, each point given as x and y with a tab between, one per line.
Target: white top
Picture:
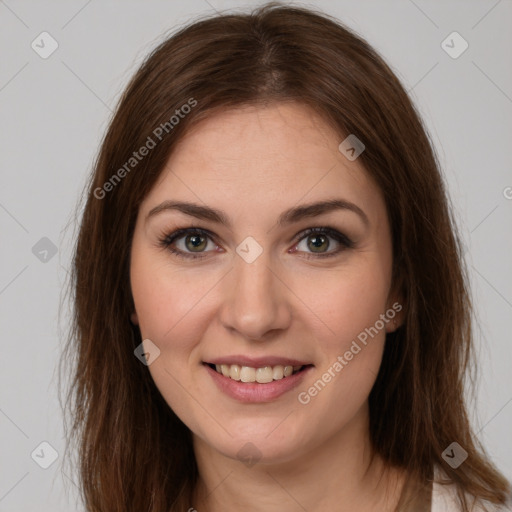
444	499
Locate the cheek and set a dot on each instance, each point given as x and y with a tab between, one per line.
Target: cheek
347	302
349	305
170	307
166	300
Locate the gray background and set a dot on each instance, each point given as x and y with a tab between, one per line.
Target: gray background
54	111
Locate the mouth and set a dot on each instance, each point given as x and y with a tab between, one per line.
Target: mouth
256	380
261	374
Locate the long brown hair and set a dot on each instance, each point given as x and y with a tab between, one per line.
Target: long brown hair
134	454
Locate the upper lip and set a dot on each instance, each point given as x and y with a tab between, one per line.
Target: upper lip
256	362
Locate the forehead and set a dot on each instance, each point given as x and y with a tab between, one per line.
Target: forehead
290	134
273	156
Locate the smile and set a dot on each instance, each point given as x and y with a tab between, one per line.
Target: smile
262	375
262	382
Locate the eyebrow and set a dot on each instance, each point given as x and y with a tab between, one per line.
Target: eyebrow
287	217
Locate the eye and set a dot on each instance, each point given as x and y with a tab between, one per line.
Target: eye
192	243
317	241
194	240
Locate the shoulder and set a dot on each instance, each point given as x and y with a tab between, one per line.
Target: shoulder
444	499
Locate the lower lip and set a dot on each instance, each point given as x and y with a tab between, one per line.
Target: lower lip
253	391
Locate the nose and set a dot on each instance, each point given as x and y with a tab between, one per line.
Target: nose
257	301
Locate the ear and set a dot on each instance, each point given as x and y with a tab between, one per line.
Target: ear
395	316
395	311
134	318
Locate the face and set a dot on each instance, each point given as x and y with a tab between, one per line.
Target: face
250	281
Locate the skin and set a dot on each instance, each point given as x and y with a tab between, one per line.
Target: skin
253	163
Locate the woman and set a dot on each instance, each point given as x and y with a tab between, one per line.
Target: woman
271	305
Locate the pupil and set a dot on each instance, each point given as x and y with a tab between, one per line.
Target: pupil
196	241
317	241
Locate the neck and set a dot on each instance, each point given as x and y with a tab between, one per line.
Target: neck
337	473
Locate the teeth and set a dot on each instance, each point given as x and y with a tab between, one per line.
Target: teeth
247	374
264	375
261	375
277	372
234	372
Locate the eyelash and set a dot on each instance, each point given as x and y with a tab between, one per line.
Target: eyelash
167	240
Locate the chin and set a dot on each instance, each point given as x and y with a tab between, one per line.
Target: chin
266	442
